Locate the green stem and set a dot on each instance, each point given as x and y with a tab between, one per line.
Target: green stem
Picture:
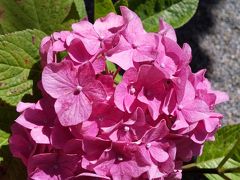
192	168
232	170
189	166
224	177
116	73
201	170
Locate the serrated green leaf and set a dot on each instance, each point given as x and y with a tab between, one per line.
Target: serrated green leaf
19	71
102	8
19	64
175	12
222	155
46	15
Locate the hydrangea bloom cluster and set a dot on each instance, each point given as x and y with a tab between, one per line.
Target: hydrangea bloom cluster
87	126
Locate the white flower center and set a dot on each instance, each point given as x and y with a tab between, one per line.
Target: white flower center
180	107
148	145
211	107
126	128
134	46
79	88
162	65
120	158
132	90
101	38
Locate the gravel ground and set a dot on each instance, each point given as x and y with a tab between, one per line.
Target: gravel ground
214	35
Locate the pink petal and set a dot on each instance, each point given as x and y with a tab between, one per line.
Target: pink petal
59	79
22	106
128	102
95	91
121	54
134	24
99	64
119	96
154	172
221	97
167	30
86	128
60	166
92	45
73	146
86	74
78	52
128	168
110	23
156	133
189	94
85	29
59	46
60	136
73	109
180	123
130	76
211	124
158	154
41	135
154	107
90	175
199	135
94	147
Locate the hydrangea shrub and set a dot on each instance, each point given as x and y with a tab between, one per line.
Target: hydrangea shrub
87	125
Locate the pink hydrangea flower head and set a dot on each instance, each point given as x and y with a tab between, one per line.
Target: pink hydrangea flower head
92	123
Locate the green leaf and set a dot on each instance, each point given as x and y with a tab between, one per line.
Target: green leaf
46	15
222	155
3	138
102	8
175	12
120	3
19	71
80	7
